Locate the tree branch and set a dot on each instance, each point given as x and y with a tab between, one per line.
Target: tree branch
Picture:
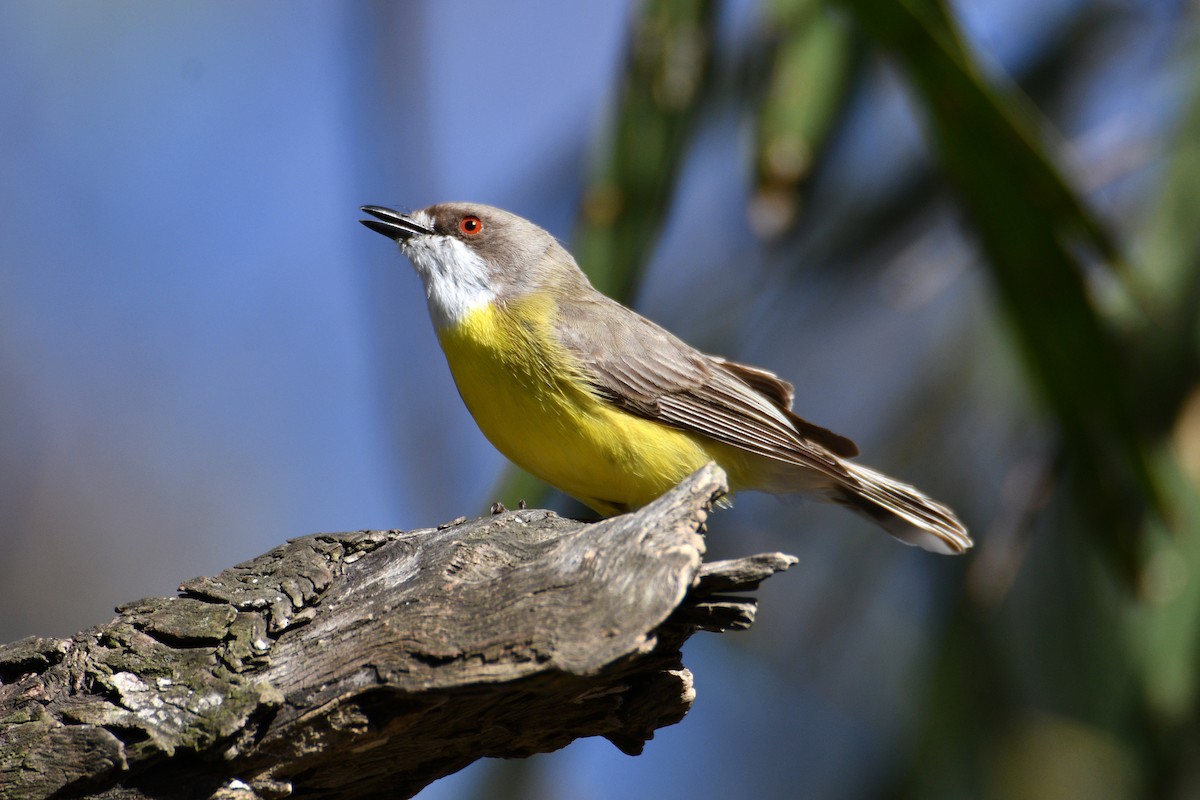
370	664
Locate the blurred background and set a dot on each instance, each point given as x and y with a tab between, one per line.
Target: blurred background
968	232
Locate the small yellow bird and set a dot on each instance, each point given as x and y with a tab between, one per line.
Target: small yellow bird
598	401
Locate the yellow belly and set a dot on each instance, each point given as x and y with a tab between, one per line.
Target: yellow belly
524	393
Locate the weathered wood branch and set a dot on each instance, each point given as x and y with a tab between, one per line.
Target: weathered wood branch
369	664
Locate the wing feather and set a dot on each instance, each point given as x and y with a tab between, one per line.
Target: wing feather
633	363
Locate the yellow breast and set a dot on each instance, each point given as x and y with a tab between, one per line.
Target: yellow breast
524	391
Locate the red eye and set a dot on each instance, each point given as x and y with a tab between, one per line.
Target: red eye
471	226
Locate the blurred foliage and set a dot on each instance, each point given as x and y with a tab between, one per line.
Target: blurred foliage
667	68
1168	281
1083	684
1033	228
810	61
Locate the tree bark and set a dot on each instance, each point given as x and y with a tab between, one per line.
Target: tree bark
369	664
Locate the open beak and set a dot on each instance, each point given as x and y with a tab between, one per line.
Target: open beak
393	224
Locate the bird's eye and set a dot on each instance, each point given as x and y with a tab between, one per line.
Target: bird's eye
471	225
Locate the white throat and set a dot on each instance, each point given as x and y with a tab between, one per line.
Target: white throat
455	277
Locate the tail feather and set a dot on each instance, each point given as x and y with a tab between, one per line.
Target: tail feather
902	510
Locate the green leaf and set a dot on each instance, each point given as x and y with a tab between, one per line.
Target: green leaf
666	71
811	60
1168	283
1032	227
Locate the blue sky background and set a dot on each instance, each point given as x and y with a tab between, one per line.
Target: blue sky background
202	353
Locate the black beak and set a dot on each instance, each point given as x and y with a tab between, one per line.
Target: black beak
393	224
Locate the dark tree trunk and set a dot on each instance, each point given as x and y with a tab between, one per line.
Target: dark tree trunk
369	664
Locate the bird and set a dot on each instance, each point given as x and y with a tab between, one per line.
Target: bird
609	407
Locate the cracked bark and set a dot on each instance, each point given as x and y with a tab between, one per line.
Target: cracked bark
369	664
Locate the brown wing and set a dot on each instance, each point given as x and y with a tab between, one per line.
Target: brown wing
631	362
780	392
